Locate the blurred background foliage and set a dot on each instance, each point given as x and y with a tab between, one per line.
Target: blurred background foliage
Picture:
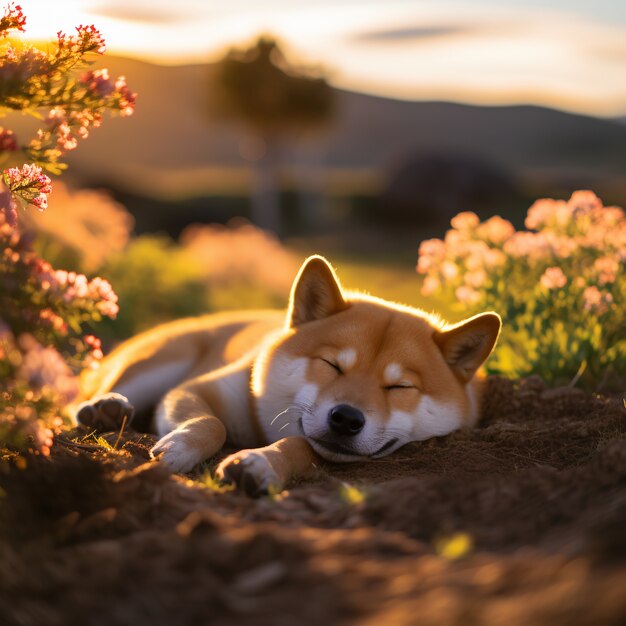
213	193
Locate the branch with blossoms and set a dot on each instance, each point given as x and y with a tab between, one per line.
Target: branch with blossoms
56	86
47	314
560	287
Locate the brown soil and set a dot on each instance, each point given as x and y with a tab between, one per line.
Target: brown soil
92	537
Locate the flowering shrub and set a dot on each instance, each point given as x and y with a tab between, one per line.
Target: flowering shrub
42	341
45	312
560	287
243	259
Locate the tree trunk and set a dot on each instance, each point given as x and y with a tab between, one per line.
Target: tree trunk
265	197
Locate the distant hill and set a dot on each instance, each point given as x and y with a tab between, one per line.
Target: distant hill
170	146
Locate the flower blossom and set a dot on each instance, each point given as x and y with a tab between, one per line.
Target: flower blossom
78	287
553	278
23	65
87	39
92	342
98	82
431	253
467	295
13	19
475	279
548	213
58	125
430	285
8	142
48	317
30	184
45	367
126	99
528	245
465	221
7	206
596	301
607	268
495	230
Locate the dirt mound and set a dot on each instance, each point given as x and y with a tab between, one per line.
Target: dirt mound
518	521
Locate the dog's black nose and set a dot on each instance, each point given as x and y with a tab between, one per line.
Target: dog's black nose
346	420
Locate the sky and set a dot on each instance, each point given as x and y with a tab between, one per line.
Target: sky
567	54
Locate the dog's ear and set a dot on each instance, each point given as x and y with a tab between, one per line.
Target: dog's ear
466	345
315	294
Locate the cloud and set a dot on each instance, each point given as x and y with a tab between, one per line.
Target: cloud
139	13
610	51
413	33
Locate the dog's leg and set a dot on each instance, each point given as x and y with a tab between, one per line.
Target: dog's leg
135	389
105	412
193	432
259	470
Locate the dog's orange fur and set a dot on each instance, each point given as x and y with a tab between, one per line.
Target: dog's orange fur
269	385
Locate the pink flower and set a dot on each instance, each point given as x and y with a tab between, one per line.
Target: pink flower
496	230
430	286
607	268
465	221
87	39
475	279
475	254
98	82
528	245
467	295
91	39
44	367
562	246
453	239
449	270
553	278
49	318
30	184
546	213
596	301
96	347
494	258
433	248
126	98
7	206
584	201
13	18
431	253
8	141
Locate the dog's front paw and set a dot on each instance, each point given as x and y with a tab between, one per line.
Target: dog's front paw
251	471
175	453
106	412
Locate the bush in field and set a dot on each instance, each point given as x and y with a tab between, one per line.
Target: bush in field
243	265
156	281
560	287
46	313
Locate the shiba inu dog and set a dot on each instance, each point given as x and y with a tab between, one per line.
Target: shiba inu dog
344	377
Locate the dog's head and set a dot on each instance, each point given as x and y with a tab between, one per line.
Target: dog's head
359	377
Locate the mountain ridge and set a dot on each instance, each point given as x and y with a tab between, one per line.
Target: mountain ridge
173	133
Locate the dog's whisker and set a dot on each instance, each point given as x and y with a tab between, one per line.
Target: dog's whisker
289	408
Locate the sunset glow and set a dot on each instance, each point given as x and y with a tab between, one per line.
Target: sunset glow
555	53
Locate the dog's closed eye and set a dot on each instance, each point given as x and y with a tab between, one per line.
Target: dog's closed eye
399	386
332	364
